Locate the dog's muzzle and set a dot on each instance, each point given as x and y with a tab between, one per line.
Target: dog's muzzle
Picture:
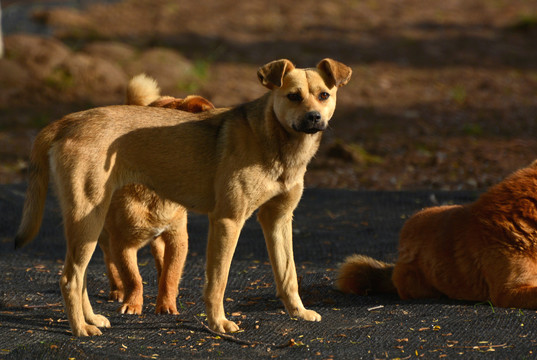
311	123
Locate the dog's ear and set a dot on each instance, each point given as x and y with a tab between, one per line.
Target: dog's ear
334	72
164	102
271	75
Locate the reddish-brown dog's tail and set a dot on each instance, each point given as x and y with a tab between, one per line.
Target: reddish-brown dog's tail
36	193
363	275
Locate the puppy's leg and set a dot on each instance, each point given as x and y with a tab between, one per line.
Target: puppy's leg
223	236
114	279
276	220
127	263
174	260
157	250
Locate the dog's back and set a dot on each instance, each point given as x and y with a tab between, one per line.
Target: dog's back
486	250
437	255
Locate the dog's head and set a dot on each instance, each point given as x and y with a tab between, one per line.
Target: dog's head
304	99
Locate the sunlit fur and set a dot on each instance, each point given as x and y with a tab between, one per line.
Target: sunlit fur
483	251
138	216
223	162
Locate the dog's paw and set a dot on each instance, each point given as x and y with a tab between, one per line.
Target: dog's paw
166	309
131	309
224	326
87	330
308	315
99	321
116	295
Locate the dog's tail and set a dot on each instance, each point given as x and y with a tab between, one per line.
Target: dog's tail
142	90
36	194
362	275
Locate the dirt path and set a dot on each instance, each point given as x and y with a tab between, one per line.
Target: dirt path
442	96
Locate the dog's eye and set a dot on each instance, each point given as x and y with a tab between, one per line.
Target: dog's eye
296	97
324	96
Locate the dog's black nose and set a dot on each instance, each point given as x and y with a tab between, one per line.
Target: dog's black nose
313	117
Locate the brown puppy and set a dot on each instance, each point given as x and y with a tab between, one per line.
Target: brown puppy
143	90
486	250
137	216
223	162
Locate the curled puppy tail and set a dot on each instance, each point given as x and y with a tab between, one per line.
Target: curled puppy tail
362	275
142	90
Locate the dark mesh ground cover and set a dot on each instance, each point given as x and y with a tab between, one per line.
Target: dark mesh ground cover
329	225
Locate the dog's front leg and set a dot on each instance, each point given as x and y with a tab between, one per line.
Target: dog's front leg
223	236
276	218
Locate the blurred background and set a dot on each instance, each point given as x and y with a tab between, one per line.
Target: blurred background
443	94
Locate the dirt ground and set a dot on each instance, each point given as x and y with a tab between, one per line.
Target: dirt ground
443	94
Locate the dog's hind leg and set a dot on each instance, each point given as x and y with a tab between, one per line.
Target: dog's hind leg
276	218
84	203
82	238
411	284
89	315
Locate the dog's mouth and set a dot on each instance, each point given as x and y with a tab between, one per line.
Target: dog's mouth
309	128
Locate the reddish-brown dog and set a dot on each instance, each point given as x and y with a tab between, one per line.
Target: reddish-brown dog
486	250
137	217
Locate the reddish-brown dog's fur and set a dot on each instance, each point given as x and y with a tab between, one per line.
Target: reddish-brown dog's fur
137	216
486	250
192	103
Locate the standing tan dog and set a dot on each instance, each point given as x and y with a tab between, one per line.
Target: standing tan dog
137	216
226	163
486	250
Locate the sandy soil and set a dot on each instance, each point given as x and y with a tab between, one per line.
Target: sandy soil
443	96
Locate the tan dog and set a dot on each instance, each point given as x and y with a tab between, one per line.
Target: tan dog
224	162
486	250
137	216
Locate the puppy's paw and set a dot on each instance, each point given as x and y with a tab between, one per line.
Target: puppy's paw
131	309
87	330
224	326
165	309
116	295
99	321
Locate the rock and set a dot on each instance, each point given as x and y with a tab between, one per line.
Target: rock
40	55
168	67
